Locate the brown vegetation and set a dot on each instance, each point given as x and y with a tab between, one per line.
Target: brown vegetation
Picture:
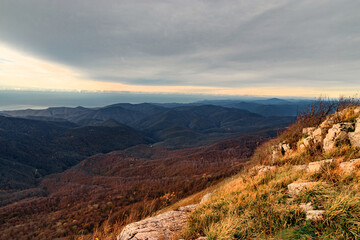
103	193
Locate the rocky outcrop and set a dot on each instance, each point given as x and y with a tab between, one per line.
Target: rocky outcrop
312	214
300	167
296	188
308	131
163	226
312	136
330	134
315	215
280	150
338	133
316	166
264	169
355	136
206	197
348	167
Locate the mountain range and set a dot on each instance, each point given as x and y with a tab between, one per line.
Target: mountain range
59	161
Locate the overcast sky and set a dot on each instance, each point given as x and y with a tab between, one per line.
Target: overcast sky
262	47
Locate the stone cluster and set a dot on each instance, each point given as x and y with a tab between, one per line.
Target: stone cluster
163	226
330	134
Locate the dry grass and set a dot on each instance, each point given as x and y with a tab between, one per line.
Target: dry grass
253	206
258	208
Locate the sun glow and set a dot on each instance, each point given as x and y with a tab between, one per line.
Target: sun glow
22	71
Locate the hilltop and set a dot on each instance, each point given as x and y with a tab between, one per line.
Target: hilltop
303	184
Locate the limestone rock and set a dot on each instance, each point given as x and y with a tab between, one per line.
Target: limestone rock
355	139
312	214
308	131
318	135
308	141
306	206
188	208
300	167
315	136
355	136
315	215
338	133
263	169
206	197
316	166
162	226
349	166
296	188
280	150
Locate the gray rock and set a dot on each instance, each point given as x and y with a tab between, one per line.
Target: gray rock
264	169
312	214
318	135
316	166
349	166
285	147
162	226
308	131
300	167
206	197
188	208
308	141
306	207
338	133
296	188
355	136
355	139
280	150
315	215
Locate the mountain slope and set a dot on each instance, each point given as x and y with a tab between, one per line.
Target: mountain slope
30	149
302	185
120	186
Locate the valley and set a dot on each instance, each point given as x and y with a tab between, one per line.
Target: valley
67	171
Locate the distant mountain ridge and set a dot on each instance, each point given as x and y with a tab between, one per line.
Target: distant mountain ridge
30	149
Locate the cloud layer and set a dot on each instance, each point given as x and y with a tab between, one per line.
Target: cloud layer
220	44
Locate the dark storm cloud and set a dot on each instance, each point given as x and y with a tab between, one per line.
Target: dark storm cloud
205	43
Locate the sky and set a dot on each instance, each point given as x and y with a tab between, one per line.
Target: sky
226	48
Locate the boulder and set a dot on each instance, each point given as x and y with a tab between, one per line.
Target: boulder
318	135
276	152
338	133
315	136
163	226
206	197
280	150
355	136
312	214
188	208
308	131
300	167
355	139
349	166
306	206
327	122
285	148
296	188
263	169
315	215
316	166
308	141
